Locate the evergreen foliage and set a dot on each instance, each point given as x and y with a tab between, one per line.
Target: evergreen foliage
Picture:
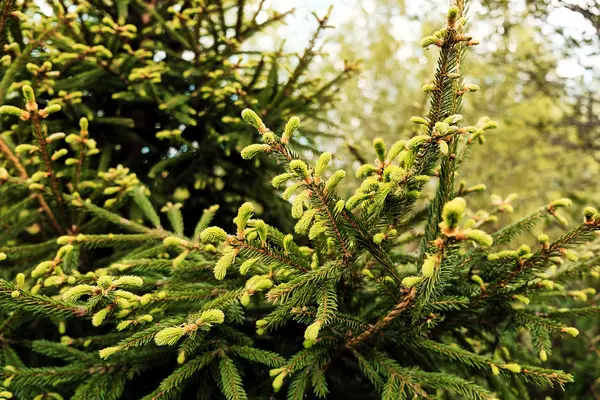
106	295
163	83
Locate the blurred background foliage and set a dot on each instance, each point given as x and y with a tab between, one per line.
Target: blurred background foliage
538	66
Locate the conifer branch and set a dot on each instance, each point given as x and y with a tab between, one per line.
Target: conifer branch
23	174
398	309
16	298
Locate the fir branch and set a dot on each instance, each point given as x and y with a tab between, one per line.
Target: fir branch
398	309
181	375
509	232
268	254
268	358
231	382
23	174
443	104
40	305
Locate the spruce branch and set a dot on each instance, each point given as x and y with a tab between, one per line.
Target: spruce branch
4	149
13	297
398	309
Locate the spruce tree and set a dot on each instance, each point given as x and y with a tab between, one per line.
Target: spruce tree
377	295
163	83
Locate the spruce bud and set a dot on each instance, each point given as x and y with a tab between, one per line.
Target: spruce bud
212	316
443	146
563	202
253	119
590	215
334	180
226	260
287	242
570	330
290	127
416	141
419	120
441	128
108	351
304	222
411	281
281	179
55	136
479	237
51	109
278	382
428	87
246	265
244	214
453	212
522	299
30	98
429	265
366	170
169	336
262	230
175	241
428	41
213	235
58	154
300	168
15	111
495	370
23	148
251	151
378	238
322	163
298	204
312	331
512	367
317	229
471	87
379	146
291	190
129	280
100	316
83	124
453	13
477	279
395	150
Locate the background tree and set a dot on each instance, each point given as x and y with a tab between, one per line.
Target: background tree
543	118
165	81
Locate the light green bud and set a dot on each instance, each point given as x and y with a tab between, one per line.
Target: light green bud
334	180
428	41
290	127
212	316
411	281
300	168
251	151
322	163
213	235
479	237
453	211
169	336
253	119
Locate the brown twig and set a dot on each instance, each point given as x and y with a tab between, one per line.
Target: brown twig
23	174
383	322
37	129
